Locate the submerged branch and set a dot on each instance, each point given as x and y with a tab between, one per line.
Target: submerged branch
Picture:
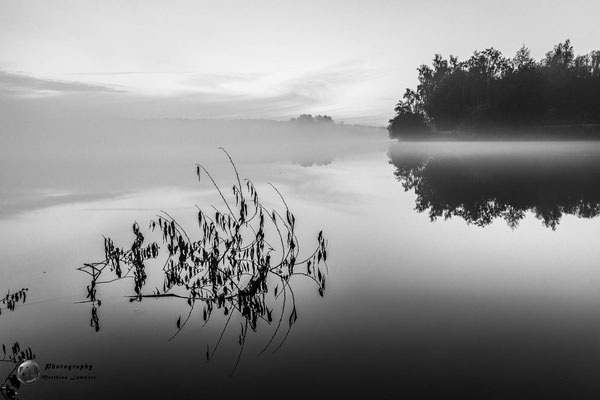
228	268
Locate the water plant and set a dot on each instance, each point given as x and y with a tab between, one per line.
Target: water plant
15	354
242	263
12	299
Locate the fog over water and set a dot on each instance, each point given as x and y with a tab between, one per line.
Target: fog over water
465	306
458	260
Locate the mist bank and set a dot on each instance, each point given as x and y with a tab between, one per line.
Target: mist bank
45	161
553	133
161	140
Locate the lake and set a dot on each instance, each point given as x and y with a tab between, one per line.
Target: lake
455	269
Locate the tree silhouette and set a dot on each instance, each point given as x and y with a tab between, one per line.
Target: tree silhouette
309	119
491	91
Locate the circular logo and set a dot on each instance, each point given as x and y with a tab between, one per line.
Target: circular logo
28	372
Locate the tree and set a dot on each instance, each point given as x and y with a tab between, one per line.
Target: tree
522	61
323	119
309	119
409	119
489	90
561	57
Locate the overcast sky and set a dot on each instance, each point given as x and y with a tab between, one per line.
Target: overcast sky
255	59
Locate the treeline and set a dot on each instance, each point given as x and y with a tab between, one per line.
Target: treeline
309	119
491	91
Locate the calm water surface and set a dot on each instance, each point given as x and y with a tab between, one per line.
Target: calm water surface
455	270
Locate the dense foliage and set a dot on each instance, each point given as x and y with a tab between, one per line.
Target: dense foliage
489	90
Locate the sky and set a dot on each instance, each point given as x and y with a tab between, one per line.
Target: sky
236	59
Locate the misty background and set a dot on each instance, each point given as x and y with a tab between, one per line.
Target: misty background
105	108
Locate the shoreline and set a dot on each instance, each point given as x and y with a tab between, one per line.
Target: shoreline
585	132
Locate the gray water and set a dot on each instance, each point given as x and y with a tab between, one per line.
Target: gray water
455	269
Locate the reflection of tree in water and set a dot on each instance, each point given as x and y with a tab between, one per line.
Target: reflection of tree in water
483	187
242	263
315	162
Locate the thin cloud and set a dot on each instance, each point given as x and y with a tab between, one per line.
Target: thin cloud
198	95
24	85
323	84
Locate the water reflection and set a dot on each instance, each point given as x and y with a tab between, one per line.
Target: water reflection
481	182
397	317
